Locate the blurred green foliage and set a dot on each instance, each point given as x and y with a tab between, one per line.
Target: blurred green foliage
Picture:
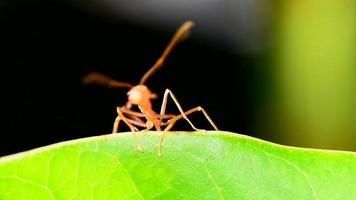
315	75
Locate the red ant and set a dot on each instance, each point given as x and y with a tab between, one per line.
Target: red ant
141	96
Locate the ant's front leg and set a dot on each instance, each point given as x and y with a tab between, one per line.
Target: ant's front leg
136	120
133	119
132	127
116	124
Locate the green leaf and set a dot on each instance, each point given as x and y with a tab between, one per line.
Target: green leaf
194	165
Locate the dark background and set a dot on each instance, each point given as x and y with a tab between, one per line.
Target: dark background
48	46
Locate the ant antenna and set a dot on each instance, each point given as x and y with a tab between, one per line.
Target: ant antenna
101	79
178	36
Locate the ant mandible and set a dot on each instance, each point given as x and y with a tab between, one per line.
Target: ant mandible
141	96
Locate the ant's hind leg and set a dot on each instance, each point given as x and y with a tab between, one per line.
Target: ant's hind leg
201	109
172	121
182	113
164	105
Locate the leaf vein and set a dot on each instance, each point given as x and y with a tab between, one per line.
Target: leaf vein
305	174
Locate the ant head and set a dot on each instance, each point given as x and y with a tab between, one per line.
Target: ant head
140	94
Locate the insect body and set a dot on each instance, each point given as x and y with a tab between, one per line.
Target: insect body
141	97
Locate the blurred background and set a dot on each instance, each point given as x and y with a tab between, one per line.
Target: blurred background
283	71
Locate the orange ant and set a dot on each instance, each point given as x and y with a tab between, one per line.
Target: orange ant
141	96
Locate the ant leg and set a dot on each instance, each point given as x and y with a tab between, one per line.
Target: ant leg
161	138
127	121
116	124
123	118
166	116
130	112
172	121
200	109
137	121
134	118
164	105
133	128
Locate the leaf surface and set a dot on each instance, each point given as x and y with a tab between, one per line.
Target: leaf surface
194	165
